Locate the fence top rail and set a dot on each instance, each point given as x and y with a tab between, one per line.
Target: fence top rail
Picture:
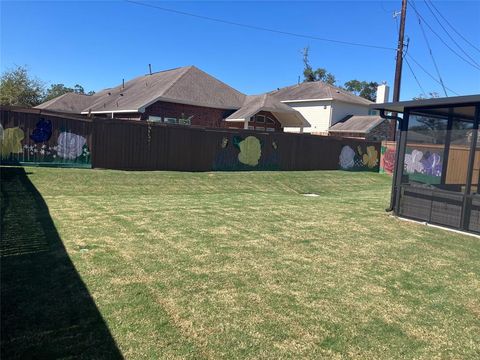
224	130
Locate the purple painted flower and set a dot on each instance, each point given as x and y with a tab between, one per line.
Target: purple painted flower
432	164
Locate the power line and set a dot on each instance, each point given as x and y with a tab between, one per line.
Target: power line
260	28
414	76
429	74
411	69
453	28
431	54
450	36
440	38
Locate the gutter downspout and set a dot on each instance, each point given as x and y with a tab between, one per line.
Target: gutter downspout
397	153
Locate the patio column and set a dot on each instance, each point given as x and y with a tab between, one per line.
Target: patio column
471	161
446	150
399	161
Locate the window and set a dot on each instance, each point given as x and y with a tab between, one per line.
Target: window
270	121
424	153
270	129
438	149
185	121
250	127
260	119
154	118
170	120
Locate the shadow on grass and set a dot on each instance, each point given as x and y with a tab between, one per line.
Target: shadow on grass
46	309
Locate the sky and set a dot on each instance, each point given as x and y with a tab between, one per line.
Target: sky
97	44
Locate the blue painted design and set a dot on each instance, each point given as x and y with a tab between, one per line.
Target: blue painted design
42	131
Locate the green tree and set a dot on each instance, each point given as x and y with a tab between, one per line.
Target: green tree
56	90
365	89
18	88
321	74
430	95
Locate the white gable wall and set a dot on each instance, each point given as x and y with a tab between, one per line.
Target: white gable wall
341	109
316	112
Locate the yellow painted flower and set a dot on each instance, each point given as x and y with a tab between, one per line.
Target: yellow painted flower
370	158
250	151
12	141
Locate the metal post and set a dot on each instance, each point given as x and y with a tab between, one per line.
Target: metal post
464	220
446	150
399	161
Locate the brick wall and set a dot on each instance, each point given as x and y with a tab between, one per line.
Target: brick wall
202	116
381	132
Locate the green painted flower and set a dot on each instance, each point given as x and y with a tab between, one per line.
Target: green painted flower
250	151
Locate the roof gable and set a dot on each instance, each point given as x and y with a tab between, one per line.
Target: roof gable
317	90
358	124
187	85
68	102
253	104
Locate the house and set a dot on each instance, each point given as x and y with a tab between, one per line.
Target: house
436	175
323	105
185	96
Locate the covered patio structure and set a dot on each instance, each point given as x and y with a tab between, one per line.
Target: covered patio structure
436	176
264	112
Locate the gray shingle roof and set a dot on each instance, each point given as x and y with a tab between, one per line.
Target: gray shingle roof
286	115
358	124
188	85
69	102
317	90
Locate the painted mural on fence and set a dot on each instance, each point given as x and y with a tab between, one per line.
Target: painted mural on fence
359	158
41	147
387	159
423	166
11	139
246	153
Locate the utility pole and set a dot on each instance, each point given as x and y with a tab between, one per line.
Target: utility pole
398	67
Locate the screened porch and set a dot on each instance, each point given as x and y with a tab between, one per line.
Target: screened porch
436	176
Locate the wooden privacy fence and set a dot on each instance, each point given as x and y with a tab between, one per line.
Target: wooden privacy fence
136	145
45	138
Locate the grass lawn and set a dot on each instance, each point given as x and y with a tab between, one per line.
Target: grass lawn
228	265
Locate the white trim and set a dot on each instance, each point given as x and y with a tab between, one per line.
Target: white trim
435	226
357	102
110	111
185	102
306	100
